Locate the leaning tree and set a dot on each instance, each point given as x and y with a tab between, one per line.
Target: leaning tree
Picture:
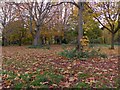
108	16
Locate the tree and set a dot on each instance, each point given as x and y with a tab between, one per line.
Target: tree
7	14
67	8
80	24
108	15
60	22
15	32
91	27
38	12
80	6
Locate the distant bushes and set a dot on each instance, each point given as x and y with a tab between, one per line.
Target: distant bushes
0	42
96	41
40	46
83	55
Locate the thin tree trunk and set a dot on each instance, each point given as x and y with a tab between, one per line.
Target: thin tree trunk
112	41
3	41
20	42
3	38
80	25
31	30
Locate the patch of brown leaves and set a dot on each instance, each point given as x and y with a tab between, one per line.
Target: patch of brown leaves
26	60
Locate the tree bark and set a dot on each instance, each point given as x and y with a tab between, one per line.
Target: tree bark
20	42
80	25
112	41
36	37
4	41
35	42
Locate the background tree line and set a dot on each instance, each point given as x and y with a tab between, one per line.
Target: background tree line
42	23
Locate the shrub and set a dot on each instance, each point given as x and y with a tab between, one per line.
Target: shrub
93	53
103	55
63	46
83	55
68	53
40	46
0	42
46	47
32	46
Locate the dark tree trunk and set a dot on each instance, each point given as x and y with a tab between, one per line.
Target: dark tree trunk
4	41
20	42
64	40
45	40
112	41
9	42
42	40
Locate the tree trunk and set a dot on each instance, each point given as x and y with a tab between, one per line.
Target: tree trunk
112	41
80	25
20	42
35	42
36	37
3	41
31	29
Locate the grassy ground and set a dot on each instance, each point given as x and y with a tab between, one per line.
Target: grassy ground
106	49
25	67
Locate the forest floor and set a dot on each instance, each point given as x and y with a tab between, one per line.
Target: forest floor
25	67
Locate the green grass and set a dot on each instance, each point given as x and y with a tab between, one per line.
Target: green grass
83	75
7	62
39	47
39	80
28	80
82	85
18	86
102	45
54	78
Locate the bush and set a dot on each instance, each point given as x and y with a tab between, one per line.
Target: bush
103	55
0	42
40	46
46	47
83	55
68	53
64	46
32	46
